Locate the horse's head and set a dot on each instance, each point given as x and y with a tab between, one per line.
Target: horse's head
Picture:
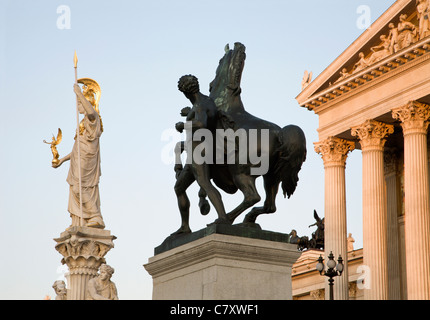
226	84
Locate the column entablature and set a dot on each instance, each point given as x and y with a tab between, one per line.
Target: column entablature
372	134
334	151
414	117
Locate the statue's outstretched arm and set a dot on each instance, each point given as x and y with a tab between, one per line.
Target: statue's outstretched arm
60	162
89	110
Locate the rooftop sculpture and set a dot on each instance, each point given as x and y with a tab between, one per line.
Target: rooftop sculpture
317	240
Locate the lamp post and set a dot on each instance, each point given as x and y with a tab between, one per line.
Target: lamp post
333	270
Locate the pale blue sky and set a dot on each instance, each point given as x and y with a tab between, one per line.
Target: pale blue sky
137	50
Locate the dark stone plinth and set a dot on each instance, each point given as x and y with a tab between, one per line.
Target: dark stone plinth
252	230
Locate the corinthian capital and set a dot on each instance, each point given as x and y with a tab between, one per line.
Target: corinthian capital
334	151
372	134
414	117
84	248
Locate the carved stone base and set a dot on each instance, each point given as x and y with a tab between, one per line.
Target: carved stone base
224	267
83	251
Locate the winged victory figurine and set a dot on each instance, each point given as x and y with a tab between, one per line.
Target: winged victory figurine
54	143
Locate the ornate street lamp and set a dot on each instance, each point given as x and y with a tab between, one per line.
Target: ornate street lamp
332	271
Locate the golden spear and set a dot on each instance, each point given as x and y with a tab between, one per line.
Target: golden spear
75	61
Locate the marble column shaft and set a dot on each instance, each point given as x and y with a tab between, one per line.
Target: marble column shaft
414	120
372	139
334	153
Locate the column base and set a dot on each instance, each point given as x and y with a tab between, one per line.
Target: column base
224	263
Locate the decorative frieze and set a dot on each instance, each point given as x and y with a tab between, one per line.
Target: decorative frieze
352	290
318	294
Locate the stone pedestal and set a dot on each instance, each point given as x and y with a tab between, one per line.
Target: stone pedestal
83	251
224	263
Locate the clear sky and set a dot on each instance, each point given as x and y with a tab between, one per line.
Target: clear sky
137	51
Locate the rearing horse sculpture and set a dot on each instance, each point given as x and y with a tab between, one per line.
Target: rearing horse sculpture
284	148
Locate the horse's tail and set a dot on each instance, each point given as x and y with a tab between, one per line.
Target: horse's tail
291	155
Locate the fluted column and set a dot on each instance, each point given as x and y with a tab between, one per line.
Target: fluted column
414	119
393	252
334	152
372	139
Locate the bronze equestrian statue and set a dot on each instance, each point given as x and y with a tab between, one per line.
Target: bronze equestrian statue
284	150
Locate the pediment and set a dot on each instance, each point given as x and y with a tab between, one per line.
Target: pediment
393	40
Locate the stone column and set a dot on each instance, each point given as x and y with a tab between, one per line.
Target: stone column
393	252
414	119
334	153
83	251
372	139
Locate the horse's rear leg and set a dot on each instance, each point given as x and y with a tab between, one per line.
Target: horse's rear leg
271	188
246	184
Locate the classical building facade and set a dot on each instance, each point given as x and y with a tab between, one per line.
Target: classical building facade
375	97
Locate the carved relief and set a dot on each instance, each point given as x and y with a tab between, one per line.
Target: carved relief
423	9
400	45
352	289
317	294
401	36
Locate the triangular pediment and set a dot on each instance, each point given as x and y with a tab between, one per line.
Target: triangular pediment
395	38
